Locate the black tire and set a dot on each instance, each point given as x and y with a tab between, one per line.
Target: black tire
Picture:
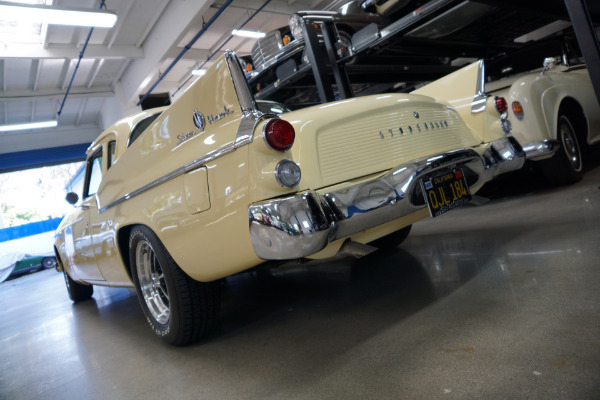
392	240
48	262
77	291
566	166
179	309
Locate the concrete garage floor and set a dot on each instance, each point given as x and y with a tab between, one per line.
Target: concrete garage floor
500	301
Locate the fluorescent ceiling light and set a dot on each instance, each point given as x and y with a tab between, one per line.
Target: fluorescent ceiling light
198	72
31	125
248	34
56	15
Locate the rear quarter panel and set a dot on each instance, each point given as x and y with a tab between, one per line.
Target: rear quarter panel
200	216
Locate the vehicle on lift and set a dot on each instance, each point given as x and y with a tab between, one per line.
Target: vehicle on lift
289	42
178	198
552	110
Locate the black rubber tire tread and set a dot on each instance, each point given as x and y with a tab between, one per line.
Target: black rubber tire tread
392	240
557	170
194	306
77	291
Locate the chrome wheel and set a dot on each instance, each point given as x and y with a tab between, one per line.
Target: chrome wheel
152	282
48	262
569	142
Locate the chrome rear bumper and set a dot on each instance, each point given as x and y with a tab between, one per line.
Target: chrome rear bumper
543	148
304	223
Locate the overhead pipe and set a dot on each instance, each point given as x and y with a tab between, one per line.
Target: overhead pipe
224	43
186	48
78	62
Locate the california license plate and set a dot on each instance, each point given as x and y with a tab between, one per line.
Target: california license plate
445	191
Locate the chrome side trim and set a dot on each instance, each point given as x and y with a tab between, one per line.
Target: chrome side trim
541	149
213	155
480	98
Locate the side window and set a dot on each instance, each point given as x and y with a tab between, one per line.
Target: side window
140	128
112	145
93	174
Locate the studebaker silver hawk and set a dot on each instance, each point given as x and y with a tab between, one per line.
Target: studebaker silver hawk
175	199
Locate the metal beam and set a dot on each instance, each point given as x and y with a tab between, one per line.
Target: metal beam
339	70
317	61
276	7
3	75
174	23
32	95
191	54
64	72
185	49
12	142
80	111
35	51
34	73
117	29
157	14
587	38
94	72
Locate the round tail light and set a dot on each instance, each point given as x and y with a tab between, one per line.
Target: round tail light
501	105
288	173
279	134
517	110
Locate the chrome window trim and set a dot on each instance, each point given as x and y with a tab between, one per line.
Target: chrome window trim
88	173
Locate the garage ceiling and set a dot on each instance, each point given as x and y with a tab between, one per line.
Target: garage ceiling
119	64
123	62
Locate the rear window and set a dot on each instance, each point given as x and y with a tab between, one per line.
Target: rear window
141	126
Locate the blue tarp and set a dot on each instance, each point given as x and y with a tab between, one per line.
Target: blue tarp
33	228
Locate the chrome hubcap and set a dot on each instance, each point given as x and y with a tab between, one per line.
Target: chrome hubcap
570	145
152	282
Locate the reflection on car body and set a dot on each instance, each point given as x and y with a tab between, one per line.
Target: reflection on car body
171	217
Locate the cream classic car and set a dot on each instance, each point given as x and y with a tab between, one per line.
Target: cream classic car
176	199
551	110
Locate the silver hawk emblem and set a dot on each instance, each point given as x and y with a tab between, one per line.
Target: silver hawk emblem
198	119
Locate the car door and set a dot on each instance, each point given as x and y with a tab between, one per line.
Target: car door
84	263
